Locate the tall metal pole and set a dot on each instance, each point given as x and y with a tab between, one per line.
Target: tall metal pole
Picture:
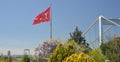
100	31
50	21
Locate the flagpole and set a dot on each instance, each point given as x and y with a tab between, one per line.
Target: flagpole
51	22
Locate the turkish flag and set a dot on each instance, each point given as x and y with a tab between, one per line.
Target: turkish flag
42	17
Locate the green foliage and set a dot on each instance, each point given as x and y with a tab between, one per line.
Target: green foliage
1	59
6	59
78	58
111	49
41	60
97	55
25	58
9	58
79	47
77	37
61	52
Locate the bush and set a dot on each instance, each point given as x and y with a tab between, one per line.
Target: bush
79	47
1	59
44	50
111	49
78	58
97	55
41	60
25	58
61	52
5	59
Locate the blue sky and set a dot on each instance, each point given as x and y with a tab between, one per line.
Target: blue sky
16	18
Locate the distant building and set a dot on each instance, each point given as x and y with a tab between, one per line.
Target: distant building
9	53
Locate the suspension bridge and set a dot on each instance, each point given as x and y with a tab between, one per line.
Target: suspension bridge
102	29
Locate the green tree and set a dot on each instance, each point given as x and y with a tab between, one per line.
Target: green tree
111	49
80	40
77	36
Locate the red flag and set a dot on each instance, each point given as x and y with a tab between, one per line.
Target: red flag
42	17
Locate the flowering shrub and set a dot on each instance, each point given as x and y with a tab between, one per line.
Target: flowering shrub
61	52
78	58
44	50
